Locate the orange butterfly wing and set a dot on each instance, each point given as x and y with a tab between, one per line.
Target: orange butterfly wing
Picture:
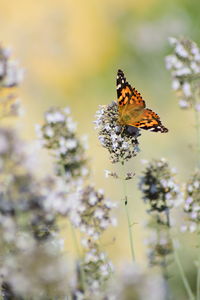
126	93
132	110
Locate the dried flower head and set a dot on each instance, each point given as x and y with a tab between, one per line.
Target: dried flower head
58	134
120	141
158	186
192	203
184	65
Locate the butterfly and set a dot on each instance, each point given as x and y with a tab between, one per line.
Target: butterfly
132	108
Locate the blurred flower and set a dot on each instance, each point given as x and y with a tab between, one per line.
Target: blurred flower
192	203
158	186
159	246
58	134
184	65
93	212
10	73
120	141
38	273
11	76
162	193
93	217
31	256
135	283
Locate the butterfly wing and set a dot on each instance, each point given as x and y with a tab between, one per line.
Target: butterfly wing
126	94
132	110
148	120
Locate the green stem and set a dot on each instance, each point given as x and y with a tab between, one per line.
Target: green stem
128	217
198	280
197	121
76	245
182	273
197	126
198	274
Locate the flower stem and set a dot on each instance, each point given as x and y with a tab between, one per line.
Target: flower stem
198	281
197	126
127	216
182	273
76	245
197	122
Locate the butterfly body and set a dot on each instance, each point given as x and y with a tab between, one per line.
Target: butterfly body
132	108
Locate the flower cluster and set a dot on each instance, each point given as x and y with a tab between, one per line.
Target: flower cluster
135	283
88	209
158	186
35	271
92	217
27	226
162	193
120	141
20	192
11	76
58	134
192	203
10	73
159	246
184	65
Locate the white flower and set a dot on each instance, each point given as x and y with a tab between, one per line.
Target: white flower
67	110
181	51
182	72
195	67
173	41
90	231
193	227
99	213
91	257
170	61
193	215
186	207
183	228
190	188
85	243
175	84
107	173
92	200
104	223
71	144
197	107
189	200
104	270
187	89
71	126
2	68
49	131
183	103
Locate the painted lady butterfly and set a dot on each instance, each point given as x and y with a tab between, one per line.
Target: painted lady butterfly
132	109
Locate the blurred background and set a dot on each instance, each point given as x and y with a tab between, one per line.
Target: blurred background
71	51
